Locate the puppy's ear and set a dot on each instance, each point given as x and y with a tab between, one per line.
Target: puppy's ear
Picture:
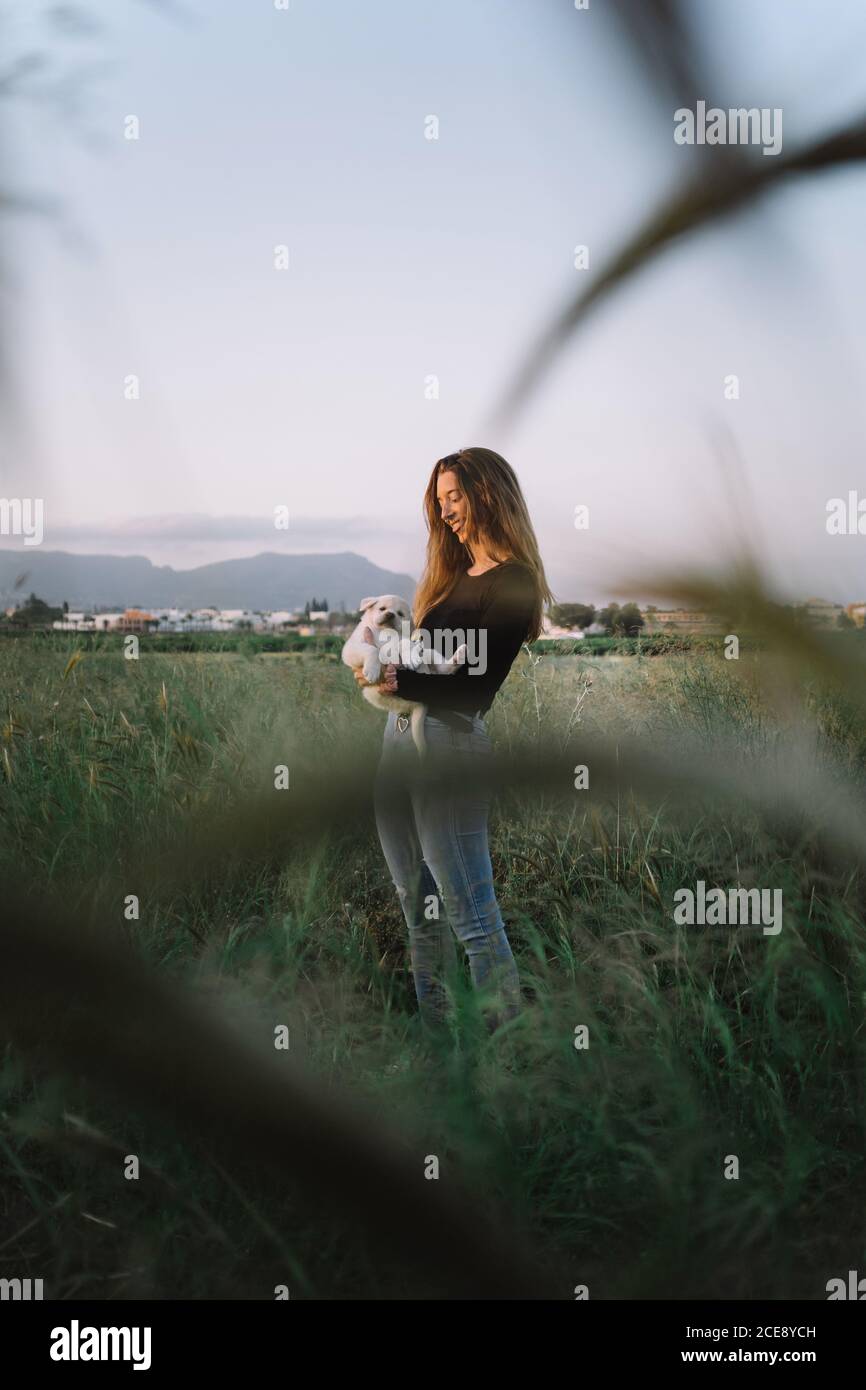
366	603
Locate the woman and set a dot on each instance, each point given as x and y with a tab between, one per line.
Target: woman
484	583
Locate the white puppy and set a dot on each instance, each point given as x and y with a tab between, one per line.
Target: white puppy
381	620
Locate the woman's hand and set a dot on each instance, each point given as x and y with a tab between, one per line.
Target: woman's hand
387	686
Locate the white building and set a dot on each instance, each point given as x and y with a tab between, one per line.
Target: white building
185	619
551	630
281	616
824	614
229	618
75	622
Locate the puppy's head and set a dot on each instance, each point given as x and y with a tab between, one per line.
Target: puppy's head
388	610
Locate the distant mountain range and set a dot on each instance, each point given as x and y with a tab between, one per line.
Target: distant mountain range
268	581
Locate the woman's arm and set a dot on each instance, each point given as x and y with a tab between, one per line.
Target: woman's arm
504	621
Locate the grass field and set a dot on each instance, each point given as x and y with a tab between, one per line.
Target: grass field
610	1159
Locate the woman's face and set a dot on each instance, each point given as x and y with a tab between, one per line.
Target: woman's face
452	503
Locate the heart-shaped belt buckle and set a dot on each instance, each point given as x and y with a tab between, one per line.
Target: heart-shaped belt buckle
402	722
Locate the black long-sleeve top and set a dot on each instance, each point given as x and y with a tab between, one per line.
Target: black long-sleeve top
500	603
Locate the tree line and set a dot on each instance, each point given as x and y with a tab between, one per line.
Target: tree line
625	621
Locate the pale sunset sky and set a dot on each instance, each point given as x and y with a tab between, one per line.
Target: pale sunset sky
411	258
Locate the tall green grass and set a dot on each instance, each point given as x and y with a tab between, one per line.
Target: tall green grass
703	1042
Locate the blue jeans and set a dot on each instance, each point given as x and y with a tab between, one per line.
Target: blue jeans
433	831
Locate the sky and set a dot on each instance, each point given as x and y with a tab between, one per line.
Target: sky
412	258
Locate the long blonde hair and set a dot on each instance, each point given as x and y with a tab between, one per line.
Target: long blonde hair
496	513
